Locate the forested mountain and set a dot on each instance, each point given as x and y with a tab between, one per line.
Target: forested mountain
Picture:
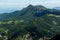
31	23
28	12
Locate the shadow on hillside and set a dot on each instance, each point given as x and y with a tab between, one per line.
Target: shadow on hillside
57	37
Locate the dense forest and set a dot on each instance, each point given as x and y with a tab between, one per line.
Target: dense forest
30	23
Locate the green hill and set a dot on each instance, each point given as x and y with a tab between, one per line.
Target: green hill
35	22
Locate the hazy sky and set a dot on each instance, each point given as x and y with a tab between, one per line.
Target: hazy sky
19	4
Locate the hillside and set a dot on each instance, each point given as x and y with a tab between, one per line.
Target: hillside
44	26
32	22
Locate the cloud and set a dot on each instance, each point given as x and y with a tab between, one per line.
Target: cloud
1	3
24	3
19	4
52	2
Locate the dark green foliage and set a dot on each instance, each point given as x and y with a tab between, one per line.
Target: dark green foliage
38	21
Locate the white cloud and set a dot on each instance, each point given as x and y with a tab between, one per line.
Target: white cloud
19	4
23	3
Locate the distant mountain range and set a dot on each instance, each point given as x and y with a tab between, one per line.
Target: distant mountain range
58	8
29	12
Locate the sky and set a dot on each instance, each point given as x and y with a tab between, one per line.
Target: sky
12	5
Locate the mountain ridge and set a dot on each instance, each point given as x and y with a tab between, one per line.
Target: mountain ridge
29	12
